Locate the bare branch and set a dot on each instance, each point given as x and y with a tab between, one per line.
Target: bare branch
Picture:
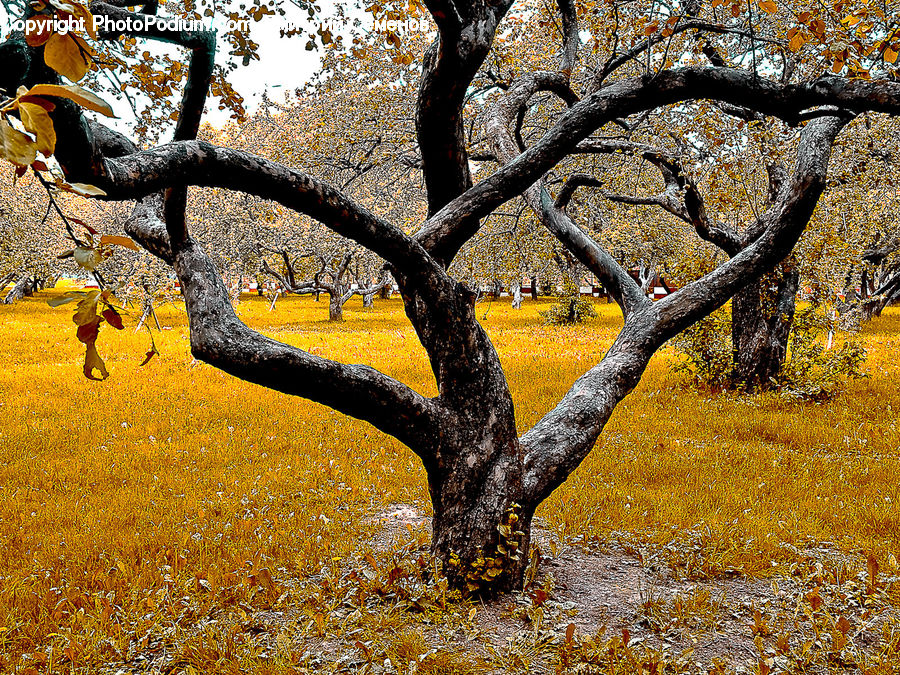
497	129
560	441
219	338
573	182
633	95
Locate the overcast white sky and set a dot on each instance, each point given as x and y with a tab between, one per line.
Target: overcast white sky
283	66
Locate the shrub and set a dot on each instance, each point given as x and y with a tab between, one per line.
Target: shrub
571	308
811	371
706	347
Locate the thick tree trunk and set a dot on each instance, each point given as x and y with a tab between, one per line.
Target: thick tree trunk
335	308
482	520
534	288
481	529
762	315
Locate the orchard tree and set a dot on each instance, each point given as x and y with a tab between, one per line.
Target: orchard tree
376	164
610	64
762	311
337	273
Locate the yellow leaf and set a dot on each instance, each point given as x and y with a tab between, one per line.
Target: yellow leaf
890	55
768	6
92	362
81	96
84	13
15	146
82	189
67	56
87	309
37	121
127	242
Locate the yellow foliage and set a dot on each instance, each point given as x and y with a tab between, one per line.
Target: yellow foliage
173	489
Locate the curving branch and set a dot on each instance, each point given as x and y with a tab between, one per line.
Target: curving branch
617	60
634	95
680	196
466	32
499	119
560	441
219	338
573	182
200	163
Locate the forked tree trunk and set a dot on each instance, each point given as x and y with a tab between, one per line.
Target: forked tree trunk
761	318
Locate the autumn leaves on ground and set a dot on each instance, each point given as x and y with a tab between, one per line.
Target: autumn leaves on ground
174	519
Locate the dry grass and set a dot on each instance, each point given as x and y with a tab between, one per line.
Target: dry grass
157	511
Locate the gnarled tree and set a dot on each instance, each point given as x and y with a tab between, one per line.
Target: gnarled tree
485	479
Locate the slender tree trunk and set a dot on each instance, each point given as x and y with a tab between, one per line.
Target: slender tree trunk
534	288
144	315
6	279
762	315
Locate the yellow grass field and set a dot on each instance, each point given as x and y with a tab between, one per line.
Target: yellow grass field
134	507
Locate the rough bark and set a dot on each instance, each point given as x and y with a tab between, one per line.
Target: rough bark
762	314
335	308
23	287
763	311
